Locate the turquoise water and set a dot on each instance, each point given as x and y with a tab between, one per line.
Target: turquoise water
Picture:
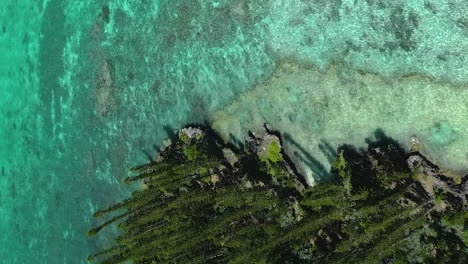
90	88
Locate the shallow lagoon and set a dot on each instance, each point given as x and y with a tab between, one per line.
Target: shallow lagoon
90	88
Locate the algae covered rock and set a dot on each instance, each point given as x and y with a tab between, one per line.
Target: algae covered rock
230	156
190	133
269	148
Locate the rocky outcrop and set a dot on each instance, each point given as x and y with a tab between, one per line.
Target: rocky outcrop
444	190
190	133
269	150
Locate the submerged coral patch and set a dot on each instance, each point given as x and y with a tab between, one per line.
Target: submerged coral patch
442	134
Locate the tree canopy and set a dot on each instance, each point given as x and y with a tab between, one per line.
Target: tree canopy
203	201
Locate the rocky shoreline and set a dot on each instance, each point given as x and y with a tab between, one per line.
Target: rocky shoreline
207	201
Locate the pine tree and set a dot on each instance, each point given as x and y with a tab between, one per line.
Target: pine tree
197	207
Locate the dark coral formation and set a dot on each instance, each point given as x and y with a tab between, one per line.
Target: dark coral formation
207	202
105	91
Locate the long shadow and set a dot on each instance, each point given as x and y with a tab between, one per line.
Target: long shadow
321	173
156	147
148	155
234	140
170	132
210	133
288	159
396	154
354	156
327	150
382	140
381	149
360	167
359	164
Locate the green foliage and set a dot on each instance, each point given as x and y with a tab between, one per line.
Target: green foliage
192	152
273	153
195	208
342	169
325	196
184	138
273	164
387	178
459	222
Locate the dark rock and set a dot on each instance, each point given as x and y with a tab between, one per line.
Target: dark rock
421	164
230	156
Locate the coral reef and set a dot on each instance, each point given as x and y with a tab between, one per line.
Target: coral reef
105	97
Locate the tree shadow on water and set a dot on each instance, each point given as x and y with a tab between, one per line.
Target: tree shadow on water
321	173
381	149
353	156
396	153
327	150
382	140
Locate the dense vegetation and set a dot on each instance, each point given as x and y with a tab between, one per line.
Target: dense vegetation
205	202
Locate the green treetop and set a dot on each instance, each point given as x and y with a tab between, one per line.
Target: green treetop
206	202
